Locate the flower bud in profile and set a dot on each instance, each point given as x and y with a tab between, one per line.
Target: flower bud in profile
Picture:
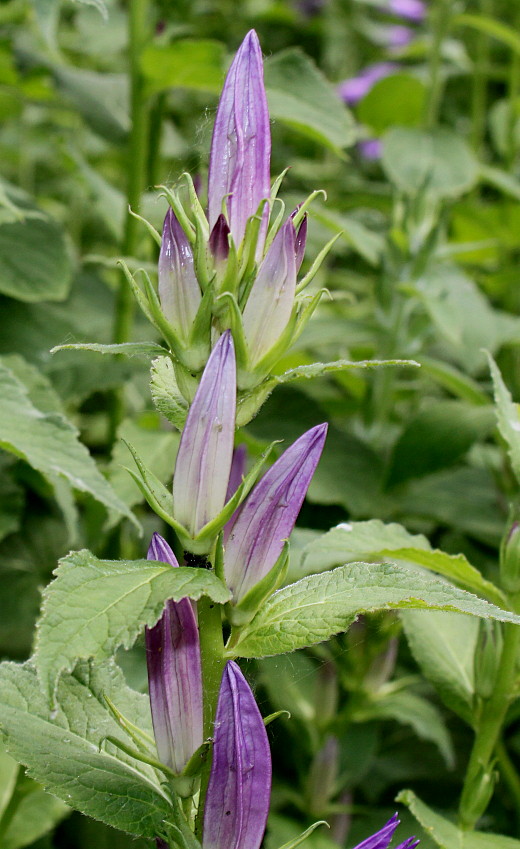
266	518
179	290
205	452
239	789
239	165
174	674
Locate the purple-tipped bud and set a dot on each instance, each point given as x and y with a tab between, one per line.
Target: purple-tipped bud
205	451
237	801
238	469
413	10
239	165
356	88
382	838
269	306
174	674
301	241
267	517
219	239
179	291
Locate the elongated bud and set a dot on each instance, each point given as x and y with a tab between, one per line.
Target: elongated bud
301	241
179	290
174	674
239	789
205	451
510	558
269	306
323	776
487	656
267	517
239	165
476	795
218	239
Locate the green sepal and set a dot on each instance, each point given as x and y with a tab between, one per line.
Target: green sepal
180	212
156	236
200	256
316	265
305	314
230	280
158	497
250	402
159	319
136	289
197	760
200	334
247	248
211	529
235	323
254	376
196	206
275	188
274	225
139	756
291	844
141	739
242	612
218	562
298	218
276	715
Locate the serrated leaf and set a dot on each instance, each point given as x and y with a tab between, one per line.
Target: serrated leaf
359	540
318	369
446	834
166	394
508	416
95	606
443	645
61	750
36	813
129	349
319	606
50	444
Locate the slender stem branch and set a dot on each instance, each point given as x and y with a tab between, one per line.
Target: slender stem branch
510	775
441	16
479	92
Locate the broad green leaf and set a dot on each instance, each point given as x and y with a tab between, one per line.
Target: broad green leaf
50	444
395	100
102	99
62	750
443	644
129	349
166	394
508	416
100	5
300	96
9	770
95	606
438	162
36	813
11	502
319	606
446	834
291	684
414	710
375	539
35	264
187	63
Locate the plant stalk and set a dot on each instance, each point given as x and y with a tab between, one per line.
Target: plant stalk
441	16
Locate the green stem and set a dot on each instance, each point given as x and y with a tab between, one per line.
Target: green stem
479	93
488	731
441	16
212	659
510	775
136	176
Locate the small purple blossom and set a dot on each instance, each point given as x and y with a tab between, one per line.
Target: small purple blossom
382	838
174	674
239	166
239	789
356	88
370	149
413	10
179	290
398	36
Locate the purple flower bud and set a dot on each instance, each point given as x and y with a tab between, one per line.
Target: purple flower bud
414	10
174	674
356	88
301	241
265	520
238	468
179	290
382	838
398	36
269	306
239	164
370	149
205	451
237	801
218	239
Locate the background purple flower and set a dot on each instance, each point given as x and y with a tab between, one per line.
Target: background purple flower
356	88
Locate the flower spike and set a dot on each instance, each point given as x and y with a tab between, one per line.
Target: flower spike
239	166
179	291
239	789
174	674
262	524
205	451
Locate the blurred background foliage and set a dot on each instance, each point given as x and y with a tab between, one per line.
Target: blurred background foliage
101	102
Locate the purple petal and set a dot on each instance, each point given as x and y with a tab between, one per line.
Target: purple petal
371	149
411	843
218	239
267	517
239	164
174	674
179	291
398	36
414	10
354	89
301	241
269	306
239	789
382	838
205	452
238	468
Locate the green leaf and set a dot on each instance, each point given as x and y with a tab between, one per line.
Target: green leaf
94	606
319	606
35	264
129	349
187	63
443	645
300	96
100	5
34	813
395	100
490	26
102	99
437	162
50	444
454	380
61	750
446	834
166	394
375	539
508	415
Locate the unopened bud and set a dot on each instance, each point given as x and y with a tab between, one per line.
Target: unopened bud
510	559
487	657
476	796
